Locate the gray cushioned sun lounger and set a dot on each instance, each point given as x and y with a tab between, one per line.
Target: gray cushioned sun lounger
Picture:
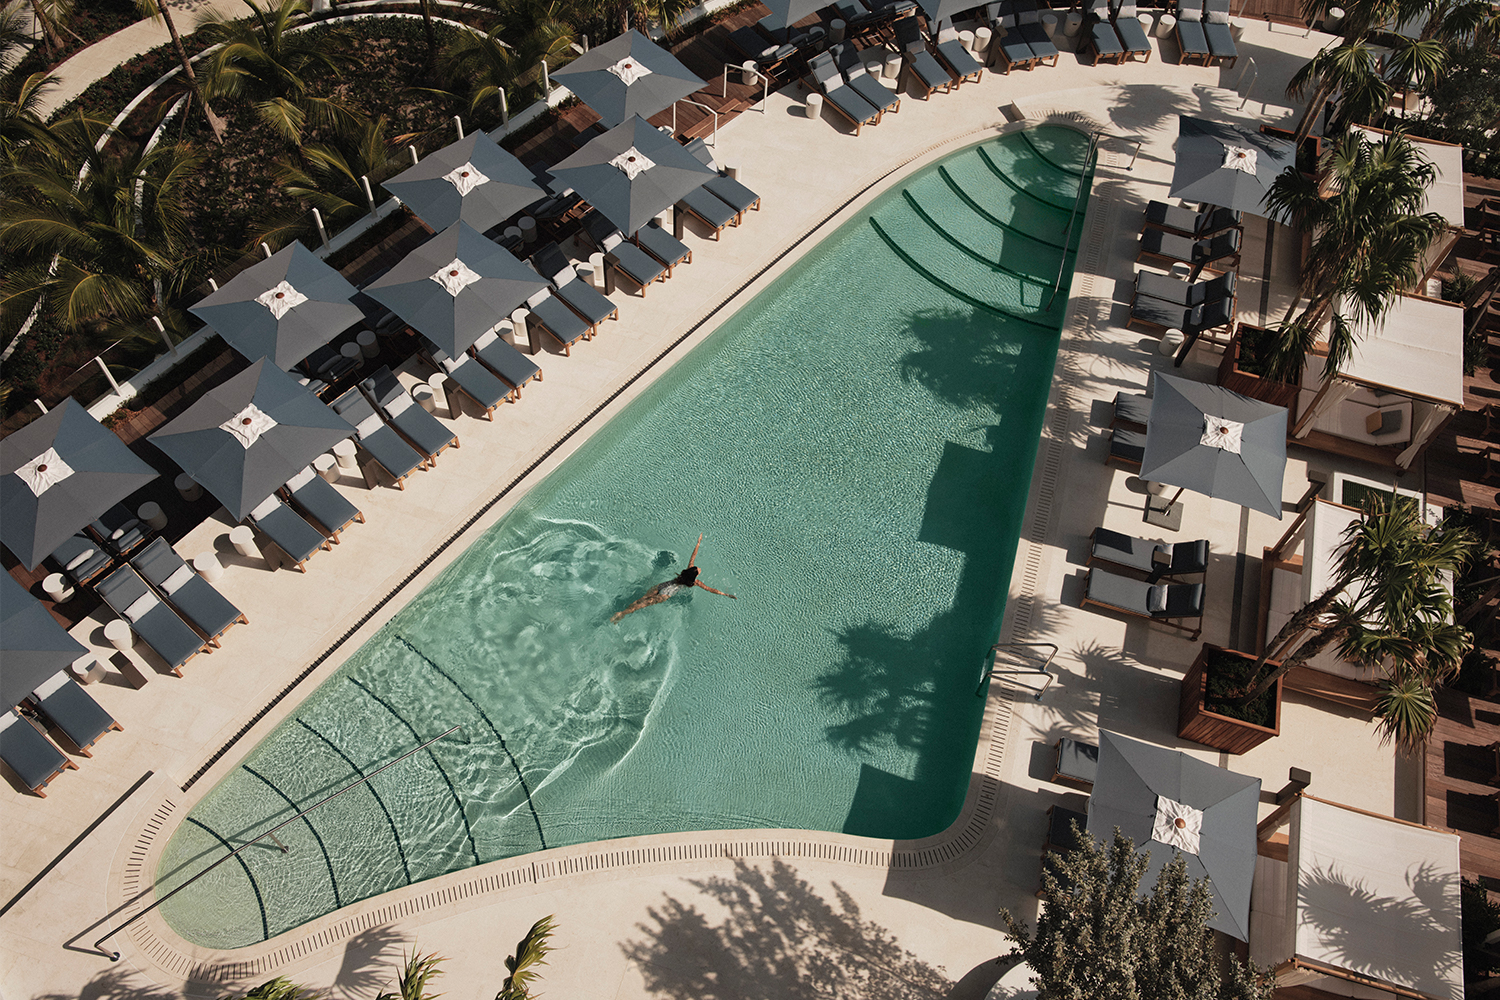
73	712
1127	447
321	504
379	440
1028	22
625	257
1008	41
663	246
1190	37
158	625
470	378
1132	409
728	190
710	211
1104	42
584	299
1189	319
1128	27
552	316
1077	762
922	65
504	360
1177	558
1164	603
852	65
962	64
119	530
1217	34
1186	222
1183	293
1060	822
288	531
418	426
1222	250
81	558
840	96
30	754
197	600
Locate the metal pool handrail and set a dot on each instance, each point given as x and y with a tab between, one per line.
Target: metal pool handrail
114	956
990	671
1068	233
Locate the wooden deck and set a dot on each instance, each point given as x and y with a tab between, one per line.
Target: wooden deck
1461	783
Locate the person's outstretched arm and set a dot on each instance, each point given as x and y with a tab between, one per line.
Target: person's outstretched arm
694	557
699	583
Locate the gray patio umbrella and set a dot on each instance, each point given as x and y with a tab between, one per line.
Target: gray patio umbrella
627	75
631	173
471	179
283	308
456	286
250	435
32	645
1227	166
57	474
785	13
938	11
1166	802
1213	441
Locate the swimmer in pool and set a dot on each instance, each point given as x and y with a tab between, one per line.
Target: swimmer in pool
662	591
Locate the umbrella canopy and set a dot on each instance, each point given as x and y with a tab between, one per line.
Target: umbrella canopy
1216	442
283	308
250	435
631	173
785	13
627	75
472	180
57	474
456	286
32	644
1144	790
938	11
1228	166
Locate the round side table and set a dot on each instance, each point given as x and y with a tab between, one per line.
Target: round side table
119	634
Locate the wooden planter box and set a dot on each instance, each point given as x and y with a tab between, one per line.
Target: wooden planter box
1233	377
1220	732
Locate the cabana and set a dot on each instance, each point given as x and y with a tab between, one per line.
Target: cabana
1349	903
1401	384
1445	195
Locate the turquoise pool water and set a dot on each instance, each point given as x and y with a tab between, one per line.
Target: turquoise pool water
855	446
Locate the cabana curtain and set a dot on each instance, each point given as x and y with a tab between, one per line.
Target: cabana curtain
1429	425
1332	394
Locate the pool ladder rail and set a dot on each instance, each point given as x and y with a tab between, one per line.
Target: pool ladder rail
992	661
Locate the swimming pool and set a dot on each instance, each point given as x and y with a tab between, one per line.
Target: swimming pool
855	444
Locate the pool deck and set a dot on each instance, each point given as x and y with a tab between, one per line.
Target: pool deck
737	913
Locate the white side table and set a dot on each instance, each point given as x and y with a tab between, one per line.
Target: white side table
982	38
1165	25
187	487
512	232
86	669
966	39
57	588
351	351
1049	23
527	226
207	565
441	396
814	108
748	73
1072	23
893	66
243	540
424	396
836	29
1170	341
344	454
326	465
368	346
596	261
150	512
119	634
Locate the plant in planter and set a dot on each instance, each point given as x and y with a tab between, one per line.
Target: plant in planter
1388	607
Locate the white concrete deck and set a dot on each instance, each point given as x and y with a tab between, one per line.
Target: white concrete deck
743	913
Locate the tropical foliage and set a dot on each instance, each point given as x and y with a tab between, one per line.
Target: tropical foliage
279	988
417	971
1100	934
524	965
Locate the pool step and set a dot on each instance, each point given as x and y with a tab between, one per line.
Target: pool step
1011	249
1060	147
1016	164
972	180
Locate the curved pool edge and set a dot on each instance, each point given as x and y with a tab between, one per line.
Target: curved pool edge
152	946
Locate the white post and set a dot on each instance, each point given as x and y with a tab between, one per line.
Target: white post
213	284
504	110
266	249
458	126
546	81
322	232
364	182
414	158
586	40
105	369
156	321
40	406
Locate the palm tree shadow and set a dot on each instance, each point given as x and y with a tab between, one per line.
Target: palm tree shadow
777	938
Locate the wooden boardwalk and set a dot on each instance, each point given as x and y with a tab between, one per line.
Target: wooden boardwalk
1461	781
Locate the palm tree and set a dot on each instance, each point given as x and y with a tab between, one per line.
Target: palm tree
531	952
411	981
155	9
1369	236
1387	607
264	62
51	15
280	988
328	178
21	124
508	57
14	30
1350	68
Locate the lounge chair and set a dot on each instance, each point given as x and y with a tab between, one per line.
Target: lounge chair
840	96
515	368
923	67
960	62
1190	37
81	558
1219	253
852	64
663	246
1029	24
1156	559
1191	320
552	316
709	210
194	598
1127	447
157	625
1168	604
1060	835
327	364
73	712
1217	32
1103	40
1183	293
1132	410
321	504
622	255
469	377
583	298
420	428
30	754
1077	763
379	441
753	45
728	190
1128	26
1186	222
1008	42
287	530
120	531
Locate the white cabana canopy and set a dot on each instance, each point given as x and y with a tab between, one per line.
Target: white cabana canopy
1363	903
1446	194
1418	350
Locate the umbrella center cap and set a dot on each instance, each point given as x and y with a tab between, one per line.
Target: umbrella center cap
42	467
281	295
454	272
463	173
1180	823
246	421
